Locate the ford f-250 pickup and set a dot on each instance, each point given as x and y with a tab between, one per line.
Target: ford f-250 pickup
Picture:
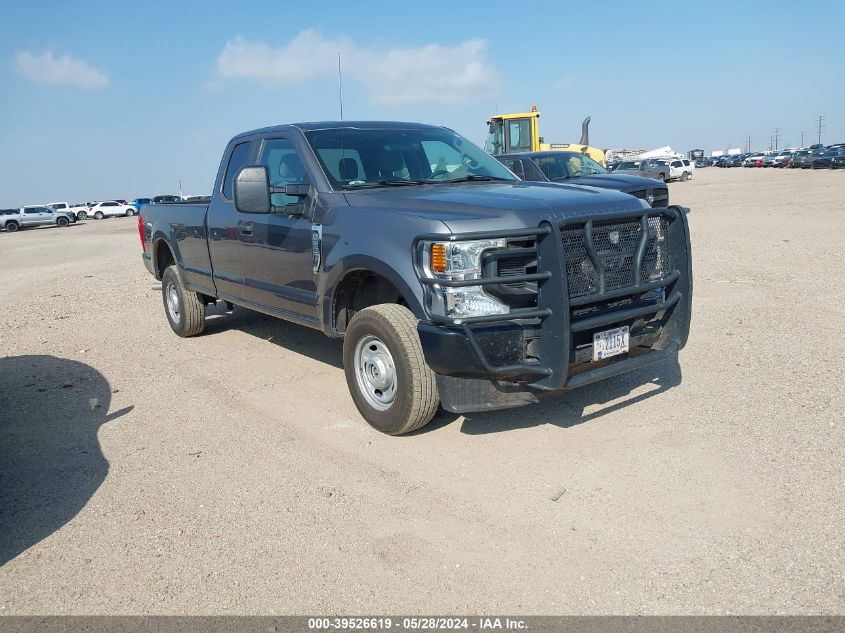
450	280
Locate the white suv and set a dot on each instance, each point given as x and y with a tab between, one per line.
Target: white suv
667	169
110	209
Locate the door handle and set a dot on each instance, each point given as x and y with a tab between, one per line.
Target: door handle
245	228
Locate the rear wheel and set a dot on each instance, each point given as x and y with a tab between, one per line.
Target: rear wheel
661	177
130	212
684	177
99	215
62	222
12	226
82	215
391	384
185	312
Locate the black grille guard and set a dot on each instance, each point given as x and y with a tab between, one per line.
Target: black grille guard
550	371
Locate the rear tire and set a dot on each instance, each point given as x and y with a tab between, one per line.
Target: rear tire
82	215
391	384
684	177
183	308
62	222
99	215
130	213
12	226
661	177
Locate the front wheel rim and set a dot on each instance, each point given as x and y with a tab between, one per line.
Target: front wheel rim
375	372
172	299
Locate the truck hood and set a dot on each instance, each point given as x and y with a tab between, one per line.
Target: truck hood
483	206
620	181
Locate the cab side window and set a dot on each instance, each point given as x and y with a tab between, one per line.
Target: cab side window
515	165
239	158
284	167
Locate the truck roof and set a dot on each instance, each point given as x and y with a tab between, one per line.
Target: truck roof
323	125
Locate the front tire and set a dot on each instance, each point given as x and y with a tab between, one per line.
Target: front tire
130	213
391	384
12	226
661	177
99	215
185	312
684	177
82	215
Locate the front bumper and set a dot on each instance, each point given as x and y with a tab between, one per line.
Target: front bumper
506	360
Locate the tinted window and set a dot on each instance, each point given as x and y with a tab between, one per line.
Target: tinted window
239	158
677	163
519	131
284	168
515	165
36	210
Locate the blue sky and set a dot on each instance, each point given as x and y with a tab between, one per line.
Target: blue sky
100	100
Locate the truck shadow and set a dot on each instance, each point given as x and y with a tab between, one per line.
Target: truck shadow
570	408
560	409
291	336
50	459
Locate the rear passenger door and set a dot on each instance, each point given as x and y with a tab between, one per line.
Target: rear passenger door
276	247
222	222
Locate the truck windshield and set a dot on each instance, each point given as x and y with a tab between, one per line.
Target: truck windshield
564	165
387	157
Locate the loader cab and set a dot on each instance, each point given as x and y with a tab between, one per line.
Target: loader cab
510	133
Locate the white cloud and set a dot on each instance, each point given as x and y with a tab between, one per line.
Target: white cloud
65	70
433	73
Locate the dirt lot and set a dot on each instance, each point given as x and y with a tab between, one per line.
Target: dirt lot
231	473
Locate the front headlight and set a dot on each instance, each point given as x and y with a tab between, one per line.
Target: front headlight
460	261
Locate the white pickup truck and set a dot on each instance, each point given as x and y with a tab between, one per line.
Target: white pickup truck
30	216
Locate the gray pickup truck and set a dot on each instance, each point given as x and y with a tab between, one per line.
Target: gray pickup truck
34	215
450	281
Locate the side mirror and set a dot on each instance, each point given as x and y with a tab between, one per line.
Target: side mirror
252	190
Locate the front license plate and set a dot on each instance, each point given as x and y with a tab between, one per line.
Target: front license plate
610	343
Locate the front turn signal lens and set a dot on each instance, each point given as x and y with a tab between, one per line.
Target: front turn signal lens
438	258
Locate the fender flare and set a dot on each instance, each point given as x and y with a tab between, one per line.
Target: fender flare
356	263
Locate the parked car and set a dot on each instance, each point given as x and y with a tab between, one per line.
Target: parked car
769	158
166	198
809	159
110	209
433	263
666	169
137	203
628	167
798	158
65	207
825	160
576	168
838	162
32	216
753	160
783	158
704	161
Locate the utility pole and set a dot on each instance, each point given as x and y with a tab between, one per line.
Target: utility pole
748	144
802	138
777	134
820	125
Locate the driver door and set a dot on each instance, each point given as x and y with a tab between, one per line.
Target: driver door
276	247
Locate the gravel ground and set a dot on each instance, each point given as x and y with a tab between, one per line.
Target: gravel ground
231	473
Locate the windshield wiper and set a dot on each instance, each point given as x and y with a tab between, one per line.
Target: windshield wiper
475	178
388	183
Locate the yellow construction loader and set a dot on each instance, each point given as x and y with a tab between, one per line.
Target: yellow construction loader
520	132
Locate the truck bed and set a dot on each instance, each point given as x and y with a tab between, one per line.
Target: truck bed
187	233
